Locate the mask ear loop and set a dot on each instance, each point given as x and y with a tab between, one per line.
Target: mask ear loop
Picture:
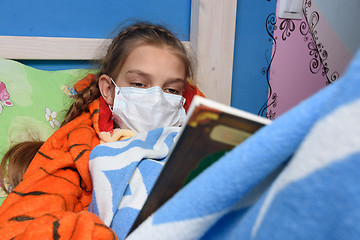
111	108
115	84
183	100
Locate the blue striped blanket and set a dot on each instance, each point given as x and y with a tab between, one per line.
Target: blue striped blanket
297	178
123	174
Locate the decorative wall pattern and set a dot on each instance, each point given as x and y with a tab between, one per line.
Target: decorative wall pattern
272	97
307	55
334	55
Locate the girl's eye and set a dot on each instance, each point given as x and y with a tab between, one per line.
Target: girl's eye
172	91
138	85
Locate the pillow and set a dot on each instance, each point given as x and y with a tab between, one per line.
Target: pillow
33	102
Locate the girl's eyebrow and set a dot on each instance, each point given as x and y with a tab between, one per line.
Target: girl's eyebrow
139	72
175	80
146	75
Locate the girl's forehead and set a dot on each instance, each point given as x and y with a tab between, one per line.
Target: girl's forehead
153	58
147	50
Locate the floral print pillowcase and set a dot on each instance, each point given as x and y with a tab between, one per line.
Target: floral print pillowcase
33	102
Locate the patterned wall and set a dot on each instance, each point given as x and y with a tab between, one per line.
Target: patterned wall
307	55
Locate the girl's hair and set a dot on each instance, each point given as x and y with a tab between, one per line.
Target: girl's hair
19	157
121	46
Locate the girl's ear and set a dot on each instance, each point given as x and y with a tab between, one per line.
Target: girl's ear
106	89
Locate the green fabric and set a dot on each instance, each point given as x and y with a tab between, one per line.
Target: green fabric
27	95
205	163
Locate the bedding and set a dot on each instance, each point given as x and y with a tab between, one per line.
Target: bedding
36	208
52	199
297	178
124	172
32	102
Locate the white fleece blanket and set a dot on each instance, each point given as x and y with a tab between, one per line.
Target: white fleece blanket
123	174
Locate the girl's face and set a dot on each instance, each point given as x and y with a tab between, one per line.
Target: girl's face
148	66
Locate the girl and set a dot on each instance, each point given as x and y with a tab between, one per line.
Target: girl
51	200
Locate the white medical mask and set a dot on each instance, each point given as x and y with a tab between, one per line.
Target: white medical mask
141	109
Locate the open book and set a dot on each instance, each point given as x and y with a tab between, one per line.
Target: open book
211	130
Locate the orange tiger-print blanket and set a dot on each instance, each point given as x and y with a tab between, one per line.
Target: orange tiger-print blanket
52	199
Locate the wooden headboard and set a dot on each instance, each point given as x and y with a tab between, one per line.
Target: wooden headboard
212	38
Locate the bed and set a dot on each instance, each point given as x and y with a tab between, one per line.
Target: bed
258	190
33	103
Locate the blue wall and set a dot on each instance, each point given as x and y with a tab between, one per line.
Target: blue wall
87	18
252	56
